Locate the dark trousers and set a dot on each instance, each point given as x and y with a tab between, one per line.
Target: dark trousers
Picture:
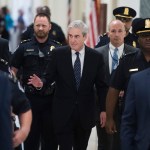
107	141
42	132
73	136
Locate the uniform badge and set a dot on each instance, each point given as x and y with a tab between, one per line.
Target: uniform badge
52	47
134	44
54	33
133	70
29	50
147	23
126	11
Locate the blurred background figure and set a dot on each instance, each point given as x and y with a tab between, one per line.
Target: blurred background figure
20	24
3	32
20	21
8	19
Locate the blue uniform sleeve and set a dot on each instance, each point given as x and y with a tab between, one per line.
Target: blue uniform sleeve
20	103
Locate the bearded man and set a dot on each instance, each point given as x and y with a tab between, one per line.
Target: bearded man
33	57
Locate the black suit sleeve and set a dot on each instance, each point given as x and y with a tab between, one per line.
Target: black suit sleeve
101	85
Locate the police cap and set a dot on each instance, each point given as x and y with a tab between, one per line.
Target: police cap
125	12
142	27
45	10
134	23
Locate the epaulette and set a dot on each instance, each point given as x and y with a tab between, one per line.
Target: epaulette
25	41
56	42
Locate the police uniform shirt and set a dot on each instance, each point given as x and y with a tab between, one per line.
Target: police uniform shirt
28	56
131	40
102	40
129	64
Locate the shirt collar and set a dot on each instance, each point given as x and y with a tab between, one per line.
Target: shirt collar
81	52
120	48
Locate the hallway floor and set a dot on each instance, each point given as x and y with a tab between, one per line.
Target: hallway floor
93	140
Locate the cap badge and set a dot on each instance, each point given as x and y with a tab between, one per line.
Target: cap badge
126	11
54	33
134	44
147	23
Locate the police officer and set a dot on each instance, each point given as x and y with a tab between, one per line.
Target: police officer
129	64
5	119
124	14
55	33
3	32
33	56
20	106
19	102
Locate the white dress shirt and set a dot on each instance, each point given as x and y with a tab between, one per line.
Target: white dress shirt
81	56
111	51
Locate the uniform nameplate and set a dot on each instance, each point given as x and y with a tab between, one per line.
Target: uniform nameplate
132	70
29	50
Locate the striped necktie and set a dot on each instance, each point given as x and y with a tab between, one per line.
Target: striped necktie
115	59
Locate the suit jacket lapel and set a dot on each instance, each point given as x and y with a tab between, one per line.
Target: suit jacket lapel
85	66
147	78
106	60
68	64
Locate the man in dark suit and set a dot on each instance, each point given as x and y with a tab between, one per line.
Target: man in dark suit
76	69
4	55
135	120
116	34
5	119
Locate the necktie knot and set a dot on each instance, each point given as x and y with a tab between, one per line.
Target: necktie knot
77	53
116	50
